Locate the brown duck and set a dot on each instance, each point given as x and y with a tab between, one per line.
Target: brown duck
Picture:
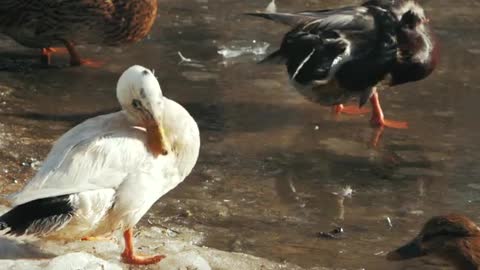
453	237
45	24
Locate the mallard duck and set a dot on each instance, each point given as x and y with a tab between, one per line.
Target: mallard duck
335	55
45	24
453	237
104	174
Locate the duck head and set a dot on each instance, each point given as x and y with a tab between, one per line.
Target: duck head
141	98
452	237
412	20
418	51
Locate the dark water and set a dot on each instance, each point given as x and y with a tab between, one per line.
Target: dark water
271	162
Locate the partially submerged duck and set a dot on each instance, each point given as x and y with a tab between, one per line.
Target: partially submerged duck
104	174
335	55
453	237
47	24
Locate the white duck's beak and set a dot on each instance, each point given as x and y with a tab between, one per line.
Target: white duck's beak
157	141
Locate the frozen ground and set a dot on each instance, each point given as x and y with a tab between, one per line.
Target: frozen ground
182	248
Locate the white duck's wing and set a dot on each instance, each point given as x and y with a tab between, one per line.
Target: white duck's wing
96	154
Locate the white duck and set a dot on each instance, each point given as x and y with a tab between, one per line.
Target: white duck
104	174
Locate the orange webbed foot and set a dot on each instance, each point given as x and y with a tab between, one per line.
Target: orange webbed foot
395	124
349	109
59	50
129	255
381	122
378	120
141	260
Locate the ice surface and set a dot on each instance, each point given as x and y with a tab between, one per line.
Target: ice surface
186	260
70	261
183	251
243	47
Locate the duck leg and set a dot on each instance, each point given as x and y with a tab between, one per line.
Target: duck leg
75	59
377	136
46	56
349	109
378	120
129	255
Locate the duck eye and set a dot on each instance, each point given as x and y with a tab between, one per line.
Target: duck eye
137	104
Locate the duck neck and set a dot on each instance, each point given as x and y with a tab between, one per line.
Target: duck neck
186	154
418	56
465	255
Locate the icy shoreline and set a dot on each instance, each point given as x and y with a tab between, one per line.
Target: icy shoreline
106	255
182	252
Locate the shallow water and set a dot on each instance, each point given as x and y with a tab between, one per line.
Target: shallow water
272	164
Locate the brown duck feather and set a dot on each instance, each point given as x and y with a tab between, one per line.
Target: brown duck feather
47	23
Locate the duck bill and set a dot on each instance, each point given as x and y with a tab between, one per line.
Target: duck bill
156	140
408	251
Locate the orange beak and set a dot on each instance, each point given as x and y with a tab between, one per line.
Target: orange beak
156	139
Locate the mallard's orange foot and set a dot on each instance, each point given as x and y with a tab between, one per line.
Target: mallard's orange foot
382	122
378	119
141	260
377	137
349	109
45	57
59	50
87	63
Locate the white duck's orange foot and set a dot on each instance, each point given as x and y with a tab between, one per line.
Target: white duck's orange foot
131	258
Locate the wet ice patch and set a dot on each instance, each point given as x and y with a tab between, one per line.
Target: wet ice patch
344	147
198	76
186	260
183	252
243	47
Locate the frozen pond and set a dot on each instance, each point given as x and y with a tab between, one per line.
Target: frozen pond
273	167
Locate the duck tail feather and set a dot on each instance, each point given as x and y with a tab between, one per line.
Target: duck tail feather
283	18
38	217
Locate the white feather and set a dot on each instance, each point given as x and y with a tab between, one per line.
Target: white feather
302	64
272	7
410	5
